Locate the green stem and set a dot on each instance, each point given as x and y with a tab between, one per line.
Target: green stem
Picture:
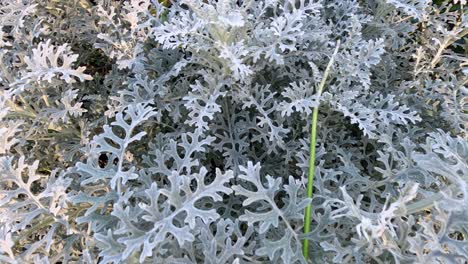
313	141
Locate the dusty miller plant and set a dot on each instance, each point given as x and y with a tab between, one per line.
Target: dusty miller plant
177	132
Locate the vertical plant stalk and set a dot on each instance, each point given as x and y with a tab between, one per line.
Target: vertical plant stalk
313	137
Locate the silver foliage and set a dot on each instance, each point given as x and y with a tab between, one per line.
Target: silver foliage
148	131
